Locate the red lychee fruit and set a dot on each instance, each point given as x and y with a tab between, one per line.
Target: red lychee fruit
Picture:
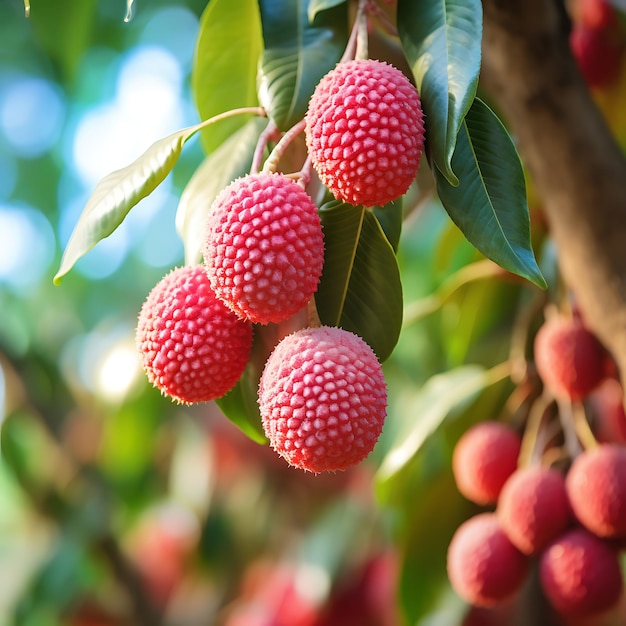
596	14
365	132
607	402
192	347
264	248
323	399
483	459
580	574
598	54
533	508
484	567
596	487
569	358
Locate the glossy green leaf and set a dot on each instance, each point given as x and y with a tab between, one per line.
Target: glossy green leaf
297	54
229	161
442	42
390	218
118	192
228	48
360	289
317	6
489	204
430	407
240	404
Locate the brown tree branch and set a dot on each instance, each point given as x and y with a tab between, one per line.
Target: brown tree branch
575	163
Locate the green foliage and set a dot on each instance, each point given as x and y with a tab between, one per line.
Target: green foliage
228	46
442	42
489	204
297	54
360	289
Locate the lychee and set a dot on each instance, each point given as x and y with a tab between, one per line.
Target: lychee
607	403
569	358
596	487
595	14
484	567
598	54
192	347
264	249
483	459
533	508
365	132
580	574
323	399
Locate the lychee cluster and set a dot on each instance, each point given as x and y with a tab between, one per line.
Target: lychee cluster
365	132
572	524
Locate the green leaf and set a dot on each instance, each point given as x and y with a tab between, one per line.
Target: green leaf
229	161
390	218
442	42
240	404
489	204
317	6
228	48
360	288
297	54
118	192
431	406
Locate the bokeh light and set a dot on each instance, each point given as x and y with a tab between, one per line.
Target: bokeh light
32	112
26	246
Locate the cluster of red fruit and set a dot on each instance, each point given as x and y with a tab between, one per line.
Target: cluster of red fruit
573	522
322	394
597	41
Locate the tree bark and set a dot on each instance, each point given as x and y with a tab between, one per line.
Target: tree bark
575	163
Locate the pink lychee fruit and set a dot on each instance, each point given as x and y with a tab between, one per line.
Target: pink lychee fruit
580	574
484	567
264	247
607	403
483	459
323	399
596	487
596	14
192	347
365	132
533	508
569	358
598	54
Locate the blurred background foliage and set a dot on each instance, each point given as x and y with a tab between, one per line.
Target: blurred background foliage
120	507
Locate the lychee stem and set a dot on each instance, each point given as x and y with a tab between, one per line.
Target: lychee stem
531	450
270	133
357	43
566	415
375	10
583	430
260	111
271	164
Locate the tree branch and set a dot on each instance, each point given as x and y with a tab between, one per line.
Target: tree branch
575	163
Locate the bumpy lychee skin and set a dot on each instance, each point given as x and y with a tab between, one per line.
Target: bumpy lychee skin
192	347
264	249
533	508
569	358
483	459
323	399
596	487
580	574
484	567
365	132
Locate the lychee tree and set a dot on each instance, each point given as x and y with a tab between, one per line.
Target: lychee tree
352	116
